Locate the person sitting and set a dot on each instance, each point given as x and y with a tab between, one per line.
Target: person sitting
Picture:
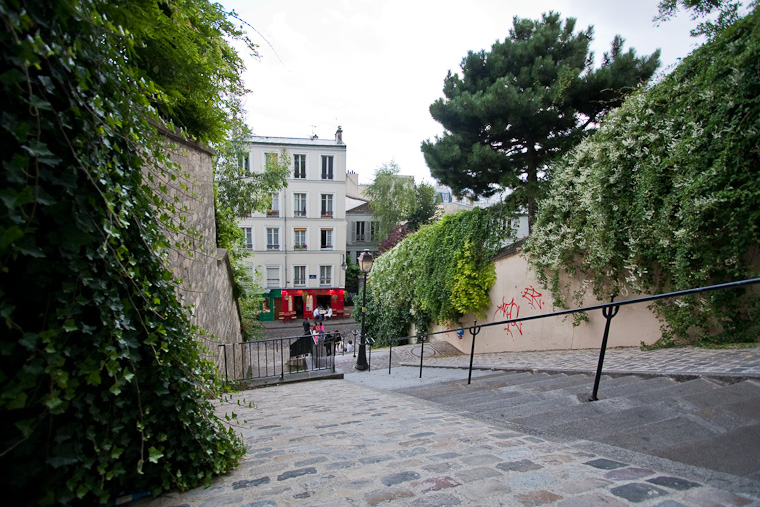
329	313
350	346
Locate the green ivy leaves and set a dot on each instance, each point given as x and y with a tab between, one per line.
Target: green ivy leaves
437	274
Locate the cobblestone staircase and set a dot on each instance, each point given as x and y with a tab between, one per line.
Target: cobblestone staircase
703	422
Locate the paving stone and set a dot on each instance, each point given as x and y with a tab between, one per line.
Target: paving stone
311	461
223	500
531	480
375	459
262	503
398	478
629	474
408	453
674	483
476	474
582	485
250	483
535	498
387	495
592	499
637	492
435	484
605	464
524	465
296	473
671	503
437	500
483	459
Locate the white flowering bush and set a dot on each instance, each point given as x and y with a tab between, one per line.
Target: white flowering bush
666	195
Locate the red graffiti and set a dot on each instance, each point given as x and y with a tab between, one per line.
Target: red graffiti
506	310
532	295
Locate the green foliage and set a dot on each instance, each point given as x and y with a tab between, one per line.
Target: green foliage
243	191
103	386
396	199
666	196
182	48
728	14
529	100
437	274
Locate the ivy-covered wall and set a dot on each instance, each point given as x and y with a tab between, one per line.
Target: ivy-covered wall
666	196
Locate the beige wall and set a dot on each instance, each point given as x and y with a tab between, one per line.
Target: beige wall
204	269
517	293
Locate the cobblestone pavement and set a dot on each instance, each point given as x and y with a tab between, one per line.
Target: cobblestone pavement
354	442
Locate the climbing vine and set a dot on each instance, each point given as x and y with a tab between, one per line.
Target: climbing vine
103	387
666	196
437	274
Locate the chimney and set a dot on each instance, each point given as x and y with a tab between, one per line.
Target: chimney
339	135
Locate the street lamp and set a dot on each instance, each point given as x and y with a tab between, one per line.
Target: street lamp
365	264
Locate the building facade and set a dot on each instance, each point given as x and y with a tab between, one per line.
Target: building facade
299	244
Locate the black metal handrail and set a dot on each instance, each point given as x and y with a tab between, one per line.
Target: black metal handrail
269	358
609	310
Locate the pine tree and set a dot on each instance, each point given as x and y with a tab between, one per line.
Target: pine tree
531	98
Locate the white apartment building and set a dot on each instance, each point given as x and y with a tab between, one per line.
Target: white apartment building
299	244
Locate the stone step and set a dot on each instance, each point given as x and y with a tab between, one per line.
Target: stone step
678	390
477	395
633	388
483	383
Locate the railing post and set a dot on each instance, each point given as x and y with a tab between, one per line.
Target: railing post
224	351
609	312
390	355
474	330
282	361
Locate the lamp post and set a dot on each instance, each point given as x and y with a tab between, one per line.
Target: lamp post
365	264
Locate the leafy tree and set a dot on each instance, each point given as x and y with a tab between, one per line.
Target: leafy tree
395	199
666	195
728	14
104	388
240	190
528	100
182	48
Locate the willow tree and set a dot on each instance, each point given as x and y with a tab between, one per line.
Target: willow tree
529	99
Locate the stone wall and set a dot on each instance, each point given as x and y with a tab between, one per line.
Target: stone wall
517	293
204	269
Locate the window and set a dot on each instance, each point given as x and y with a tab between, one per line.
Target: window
326	239
374	230
299	276
299	205
273	238
327	167
248	235
273	276
359	232
299	239
327	205
299	166
325	275
244	162
274	208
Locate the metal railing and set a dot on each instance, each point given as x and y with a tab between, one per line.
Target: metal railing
277	357
609	311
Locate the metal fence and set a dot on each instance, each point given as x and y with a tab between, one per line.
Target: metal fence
277	357
609	311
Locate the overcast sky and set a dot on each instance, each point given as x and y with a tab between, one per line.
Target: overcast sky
375	66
